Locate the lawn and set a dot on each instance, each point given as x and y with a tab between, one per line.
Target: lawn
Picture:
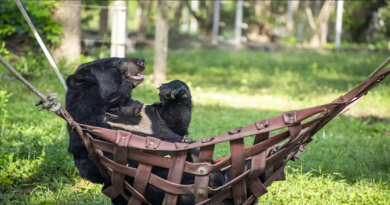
348	162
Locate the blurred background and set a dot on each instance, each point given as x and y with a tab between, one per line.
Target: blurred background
243	61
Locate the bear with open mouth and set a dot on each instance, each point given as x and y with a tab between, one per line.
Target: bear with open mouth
99	94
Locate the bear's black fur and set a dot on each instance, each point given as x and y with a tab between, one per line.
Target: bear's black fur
99	94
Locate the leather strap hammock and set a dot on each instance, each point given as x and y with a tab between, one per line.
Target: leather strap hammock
121	144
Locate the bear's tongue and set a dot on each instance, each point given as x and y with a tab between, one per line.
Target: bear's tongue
137	77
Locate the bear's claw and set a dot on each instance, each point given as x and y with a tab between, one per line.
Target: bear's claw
174	90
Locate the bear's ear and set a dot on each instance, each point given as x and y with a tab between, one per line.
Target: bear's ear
80	80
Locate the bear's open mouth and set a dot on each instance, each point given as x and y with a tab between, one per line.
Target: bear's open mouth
138	77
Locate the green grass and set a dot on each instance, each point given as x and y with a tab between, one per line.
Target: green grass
347	163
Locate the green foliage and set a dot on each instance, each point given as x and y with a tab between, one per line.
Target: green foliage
90	17
29	65
34	65
3	111
358	16
3	50
385	18
13	23
346	163
290	41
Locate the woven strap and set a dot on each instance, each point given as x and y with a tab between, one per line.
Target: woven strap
141	180
238	167
175	173
201	188
120	157
258	164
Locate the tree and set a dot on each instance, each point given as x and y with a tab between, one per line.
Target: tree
13	27
385	18
262	22
204	16
174	31
103	14
291	10
319	24
68	14
144	20
161	43
358	16
103	22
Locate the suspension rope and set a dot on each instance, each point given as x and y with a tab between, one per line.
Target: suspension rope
376	71
24	13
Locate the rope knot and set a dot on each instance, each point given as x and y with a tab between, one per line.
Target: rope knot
50	104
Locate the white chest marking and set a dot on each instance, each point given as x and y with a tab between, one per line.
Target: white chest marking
144	126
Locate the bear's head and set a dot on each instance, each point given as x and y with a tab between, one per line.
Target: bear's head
106	80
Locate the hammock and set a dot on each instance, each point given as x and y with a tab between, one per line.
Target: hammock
123	145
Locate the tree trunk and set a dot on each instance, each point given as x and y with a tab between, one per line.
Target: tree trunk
161	43
292	9
176	19
319	26
263	8
388	44
103	19
258	6
194	21
317	7
324	21
205	23
69	16
144	21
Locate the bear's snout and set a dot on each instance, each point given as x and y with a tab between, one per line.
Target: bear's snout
141	62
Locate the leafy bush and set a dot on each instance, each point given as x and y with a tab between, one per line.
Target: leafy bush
3	111
3	50
29	65
13	23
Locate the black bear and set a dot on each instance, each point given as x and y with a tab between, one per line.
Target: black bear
99	94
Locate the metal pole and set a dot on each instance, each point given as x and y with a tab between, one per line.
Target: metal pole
238	29
217	4
118	30
339	23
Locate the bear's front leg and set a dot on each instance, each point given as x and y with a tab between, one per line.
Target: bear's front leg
176	106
